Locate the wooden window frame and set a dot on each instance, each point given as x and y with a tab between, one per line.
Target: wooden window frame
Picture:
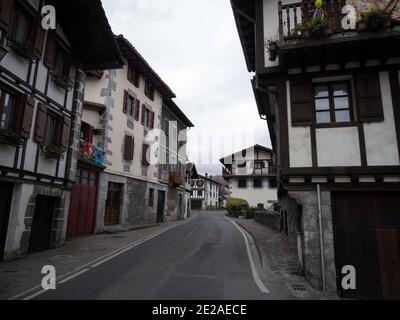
15	106
29	40
131	106
61	78
332	110
241	187
259	164
133	76
56	136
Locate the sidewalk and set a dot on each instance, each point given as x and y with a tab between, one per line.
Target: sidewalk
24	274
279	260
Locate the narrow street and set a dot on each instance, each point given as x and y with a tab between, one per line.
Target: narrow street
203	259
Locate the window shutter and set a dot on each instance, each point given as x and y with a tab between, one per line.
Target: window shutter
369	97
39	39
145	162
126	100
152	120
137	79
5	13
129	73
90	134
65	133
50	52
137	110
302	99
40	127
143	113
128	148
27	106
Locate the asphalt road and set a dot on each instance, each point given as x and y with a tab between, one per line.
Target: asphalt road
203	259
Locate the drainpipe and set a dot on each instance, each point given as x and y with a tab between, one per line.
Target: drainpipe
321	239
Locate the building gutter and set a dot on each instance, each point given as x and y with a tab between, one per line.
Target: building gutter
321	239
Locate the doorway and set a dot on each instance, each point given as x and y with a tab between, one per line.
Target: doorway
113	204
160	206
42	223
6	192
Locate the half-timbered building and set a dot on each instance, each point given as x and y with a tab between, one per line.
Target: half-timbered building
330	94
42	81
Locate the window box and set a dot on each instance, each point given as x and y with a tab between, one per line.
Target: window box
23	49
10	138
52	152
175	179
61	81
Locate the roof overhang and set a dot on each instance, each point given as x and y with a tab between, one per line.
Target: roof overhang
172	106
255	147
142	66
86	26
245	15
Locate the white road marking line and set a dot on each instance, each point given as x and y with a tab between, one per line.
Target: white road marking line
256	277
74	275
96	262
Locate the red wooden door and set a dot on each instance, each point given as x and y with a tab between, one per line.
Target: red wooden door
82	212
367	236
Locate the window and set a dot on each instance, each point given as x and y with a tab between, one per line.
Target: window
200	193
131	106
87	132
273	183
149	90
133	76
257	183
242	164
333	103
259	165
52	130
242	184
151	198
22	30
7	110
61	68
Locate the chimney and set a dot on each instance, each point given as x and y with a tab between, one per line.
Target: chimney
206	175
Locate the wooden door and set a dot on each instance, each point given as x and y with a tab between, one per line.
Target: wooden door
42	223
367	236
82	211
113	204
6	191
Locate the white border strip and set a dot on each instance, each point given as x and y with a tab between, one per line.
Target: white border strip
256	277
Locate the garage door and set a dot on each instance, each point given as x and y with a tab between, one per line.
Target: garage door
367	236
197	204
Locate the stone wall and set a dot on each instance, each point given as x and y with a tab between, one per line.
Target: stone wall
272	220
311	239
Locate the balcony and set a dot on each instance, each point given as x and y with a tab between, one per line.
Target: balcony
249	172
332	44
91	154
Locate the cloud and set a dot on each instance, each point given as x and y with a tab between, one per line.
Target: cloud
195	48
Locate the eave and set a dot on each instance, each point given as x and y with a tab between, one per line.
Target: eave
172	106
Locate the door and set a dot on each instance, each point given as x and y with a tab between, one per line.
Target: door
197	204
367	236
82	211
42	223
113	204
6	192
160	206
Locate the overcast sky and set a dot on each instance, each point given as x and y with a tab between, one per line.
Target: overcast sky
194	46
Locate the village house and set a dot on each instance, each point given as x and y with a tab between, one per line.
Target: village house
205	193
251	175
126	111
331	98
42	81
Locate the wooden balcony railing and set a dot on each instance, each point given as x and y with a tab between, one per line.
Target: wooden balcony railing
290	15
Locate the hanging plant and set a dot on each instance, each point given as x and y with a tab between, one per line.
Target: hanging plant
376	19
272	49
53	152
10	138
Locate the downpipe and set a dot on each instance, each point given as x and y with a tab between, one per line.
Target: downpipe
321	239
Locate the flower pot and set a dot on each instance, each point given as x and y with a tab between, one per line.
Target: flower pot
306	34
318	33
374	25
328	31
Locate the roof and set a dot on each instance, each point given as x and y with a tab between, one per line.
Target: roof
136	59
85	24
172	106
191	167
256	147
244	12
209	179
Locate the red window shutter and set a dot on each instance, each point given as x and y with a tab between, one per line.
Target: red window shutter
152	115
129	72
302	108
39	39
145	161
143	113
65	133
5	13
27	106
40	127
50	52
137	110
369	97
137	79
126	101
128	148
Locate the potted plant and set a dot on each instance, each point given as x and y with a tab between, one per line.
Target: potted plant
316	25
377	19
10	138
52	151
273	49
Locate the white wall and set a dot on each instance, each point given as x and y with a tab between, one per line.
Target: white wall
253	196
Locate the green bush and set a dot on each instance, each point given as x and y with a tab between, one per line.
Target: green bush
233	206
250	212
